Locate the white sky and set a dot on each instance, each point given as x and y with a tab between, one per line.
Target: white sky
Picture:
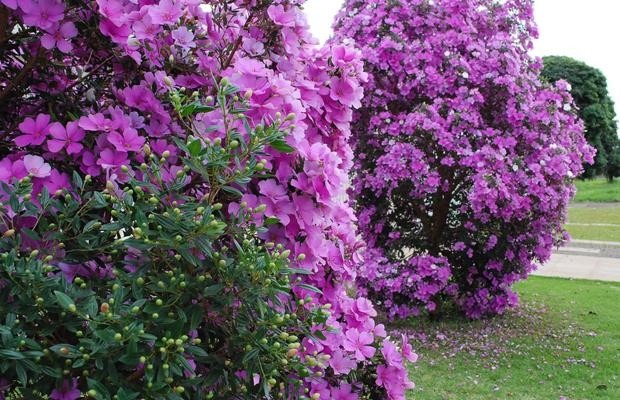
588	30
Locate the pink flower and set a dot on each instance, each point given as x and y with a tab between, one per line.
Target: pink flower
5	170
167	12
36	166
109	158
118	34
358	342
54	182
68	138
343	392
280	16
183	38
145	28
113	10
363	308
12	4
10	170
394	380
270	189
341	364
42	13
407	350
128	141
34	131
58	37
95	122
390	353
346	92
343	55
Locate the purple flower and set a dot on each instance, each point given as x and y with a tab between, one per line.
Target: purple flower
34	131
129	140
167	12
42	13
359	343
58	37
68	391
109	158
183	38
281	16
341	364
68	138
36	166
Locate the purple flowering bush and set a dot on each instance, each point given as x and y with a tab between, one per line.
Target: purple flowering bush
159	294
105	88
464	159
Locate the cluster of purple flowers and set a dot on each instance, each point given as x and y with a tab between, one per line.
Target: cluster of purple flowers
464	158
96	89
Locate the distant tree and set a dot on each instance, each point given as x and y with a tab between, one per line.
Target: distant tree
589	90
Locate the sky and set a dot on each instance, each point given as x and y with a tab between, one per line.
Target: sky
587	30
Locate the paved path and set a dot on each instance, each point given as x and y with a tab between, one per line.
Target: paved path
582	266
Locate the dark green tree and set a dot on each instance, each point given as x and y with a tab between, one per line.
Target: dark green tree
589	90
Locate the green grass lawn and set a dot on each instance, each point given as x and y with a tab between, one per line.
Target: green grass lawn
594	215
603	233
598	190
563	341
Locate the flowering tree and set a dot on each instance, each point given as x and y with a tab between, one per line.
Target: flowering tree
100	88
464	158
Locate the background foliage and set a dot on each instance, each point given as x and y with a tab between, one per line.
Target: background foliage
596	109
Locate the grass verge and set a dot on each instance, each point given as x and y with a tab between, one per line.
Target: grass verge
598	190
583	223
562	343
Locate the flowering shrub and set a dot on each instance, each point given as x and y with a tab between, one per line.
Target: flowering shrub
158	293
84	86
464	158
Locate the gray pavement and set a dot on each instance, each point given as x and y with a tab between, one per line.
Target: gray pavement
582	266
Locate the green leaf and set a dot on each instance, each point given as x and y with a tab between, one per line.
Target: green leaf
319	334
89	225
102	392
213	290
271	221
77	180
309	287
64	300
232	190
21	374
125	394
196	317
196	351
99	201
250	355
194	148
281	146
194	108
49	371
11	354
